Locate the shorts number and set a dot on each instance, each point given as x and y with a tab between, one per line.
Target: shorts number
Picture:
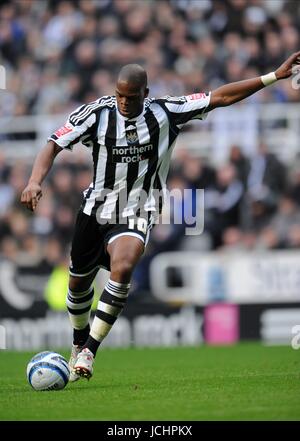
141	224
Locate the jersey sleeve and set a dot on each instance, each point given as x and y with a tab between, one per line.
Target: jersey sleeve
78	127
186	108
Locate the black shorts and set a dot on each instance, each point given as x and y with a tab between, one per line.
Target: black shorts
90	240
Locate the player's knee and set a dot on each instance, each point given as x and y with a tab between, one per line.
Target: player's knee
122	269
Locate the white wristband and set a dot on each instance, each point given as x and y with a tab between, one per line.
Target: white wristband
268	79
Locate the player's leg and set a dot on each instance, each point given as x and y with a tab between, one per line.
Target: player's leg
79	301
124	252
87	246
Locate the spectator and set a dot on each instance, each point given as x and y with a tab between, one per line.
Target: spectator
240	162
197	173
267	176
287	215
222	203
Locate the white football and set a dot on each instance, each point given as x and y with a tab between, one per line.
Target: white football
48	371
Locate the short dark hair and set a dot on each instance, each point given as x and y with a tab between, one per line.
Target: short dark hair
133	73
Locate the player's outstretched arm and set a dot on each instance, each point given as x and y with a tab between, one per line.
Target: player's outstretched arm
42	164
233	92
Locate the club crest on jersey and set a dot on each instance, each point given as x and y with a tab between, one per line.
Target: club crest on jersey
131	135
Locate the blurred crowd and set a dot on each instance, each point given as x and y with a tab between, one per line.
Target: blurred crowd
59	54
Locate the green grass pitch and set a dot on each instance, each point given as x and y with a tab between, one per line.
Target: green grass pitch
243	382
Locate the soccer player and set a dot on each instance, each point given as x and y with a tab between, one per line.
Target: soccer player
131	138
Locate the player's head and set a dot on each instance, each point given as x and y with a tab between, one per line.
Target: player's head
131	90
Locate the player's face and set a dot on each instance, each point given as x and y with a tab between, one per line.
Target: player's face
130	98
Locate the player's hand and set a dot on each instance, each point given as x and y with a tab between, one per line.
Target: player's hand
31	195
286	69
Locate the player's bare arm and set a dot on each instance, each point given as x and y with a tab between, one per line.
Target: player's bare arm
233	92
41	167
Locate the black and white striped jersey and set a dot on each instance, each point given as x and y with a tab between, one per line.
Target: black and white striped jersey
131	157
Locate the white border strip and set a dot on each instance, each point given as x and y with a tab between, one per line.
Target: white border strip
126	234
86	274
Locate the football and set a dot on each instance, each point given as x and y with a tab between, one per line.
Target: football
48	371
